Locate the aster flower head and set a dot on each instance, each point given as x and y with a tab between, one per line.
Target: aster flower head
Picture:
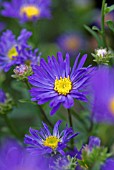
72	41
102	95
43	142
27	10
56	81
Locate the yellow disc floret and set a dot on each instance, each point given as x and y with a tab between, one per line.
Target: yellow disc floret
12	53
63	85
72	43
30	11
111	106
51	141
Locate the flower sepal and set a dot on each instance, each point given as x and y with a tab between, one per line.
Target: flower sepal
22	72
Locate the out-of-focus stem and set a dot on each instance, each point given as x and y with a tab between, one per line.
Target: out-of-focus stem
103	24
71	125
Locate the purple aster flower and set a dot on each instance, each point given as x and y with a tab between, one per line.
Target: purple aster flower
16	51
2	96
108	165
15	157
56	81
71	42
43	142
27	10
102	95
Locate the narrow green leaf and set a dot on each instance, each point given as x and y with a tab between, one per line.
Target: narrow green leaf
94	34
110	25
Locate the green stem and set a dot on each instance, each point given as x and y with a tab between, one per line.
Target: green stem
103	24
71	125
27	84
11	127
70	118
44	116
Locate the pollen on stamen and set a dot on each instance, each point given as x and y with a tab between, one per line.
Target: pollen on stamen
12	53
30	11
52	142
63	85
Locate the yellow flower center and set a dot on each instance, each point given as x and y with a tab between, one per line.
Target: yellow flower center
30	11
63	85
72	43
51	141
12	53
111	106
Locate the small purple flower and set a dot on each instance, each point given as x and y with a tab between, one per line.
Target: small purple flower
102	95
27	10
56	81
71	42
94	142
108	165
2	96
43	142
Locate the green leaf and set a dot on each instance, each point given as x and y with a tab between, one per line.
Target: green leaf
26	101
95	28
110	25
109	9
95	35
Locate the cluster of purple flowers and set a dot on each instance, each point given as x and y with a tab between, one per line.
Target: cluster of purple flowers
16	51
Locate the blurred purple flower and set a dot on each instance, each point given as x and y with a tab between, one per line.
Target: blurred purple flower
27	10
56	81
2	26
14	157
108	165
43	142
96	21
71	42
2	96
102	95
94	142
